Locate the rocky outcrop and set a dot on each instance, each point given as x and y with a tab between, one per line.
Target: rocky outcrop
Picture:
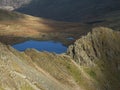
99	52
12	4
101	43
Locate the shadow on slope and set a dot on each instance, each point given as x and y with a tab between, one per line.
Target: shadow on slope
14	24
69	10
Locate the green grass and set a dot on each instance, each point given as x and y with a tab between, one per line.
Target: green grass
26	87
92	73
74	71
1	88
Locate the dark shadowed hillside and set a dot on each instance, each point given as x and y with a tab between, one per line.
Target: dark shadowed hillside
70	10
65	10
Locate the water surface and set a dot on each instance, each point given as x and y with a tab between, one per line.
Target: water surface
49	46
70	38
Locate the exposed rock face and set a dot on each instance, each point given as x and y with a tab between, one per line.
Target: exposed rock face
99	52
101	43
12	4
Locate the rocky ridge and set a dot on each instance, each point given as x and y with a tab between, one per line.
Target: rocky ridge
99	52
100	43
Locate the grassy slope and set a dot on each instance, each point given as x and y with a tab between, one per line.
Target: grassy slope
60	71
27	73
19	25
30	69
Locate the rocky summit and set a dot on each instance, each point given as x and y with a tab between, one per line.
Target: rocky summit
91	63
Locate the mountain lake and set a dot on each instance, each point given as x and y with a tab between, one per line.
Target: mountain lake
49	46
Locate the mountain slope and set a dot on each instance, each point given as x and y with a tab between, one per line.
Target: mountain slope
96	65
69	10
64	10
99	53
21	73
111	20
18	27
91	63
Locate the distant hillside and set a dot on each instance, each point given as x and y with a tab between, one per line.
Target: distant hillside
64	10
70	10
15	27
